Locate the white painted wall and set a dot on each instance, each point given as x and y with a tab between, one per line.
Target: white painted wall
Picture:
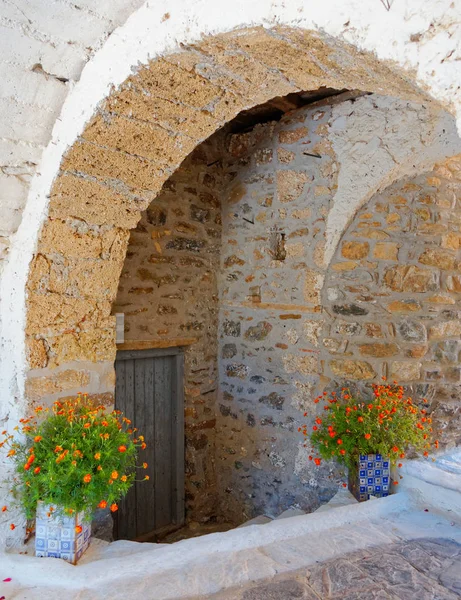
420	36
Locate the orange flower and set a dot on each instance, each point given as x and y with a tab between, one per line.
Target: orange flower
12	526
37	438
4	508
99	468
123	478
360	419
58	449
97	455
37	470
318	420
122	448
78	529
146	478
113	507
144	465
102	504
400	465
317	461
87	478
104	423
396	483
339	441
395	449
11	452
367	436
87	425
342	451
114	475
315	428
143	446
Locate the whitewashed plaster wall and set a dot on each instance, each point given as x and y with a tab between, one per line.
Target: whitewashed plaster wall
43	43
44	46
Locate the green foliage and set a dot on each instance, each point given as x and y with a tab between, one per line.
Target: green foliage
76	456
386	423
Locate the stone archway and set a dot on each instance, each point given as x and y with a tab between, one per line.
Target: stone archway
136	140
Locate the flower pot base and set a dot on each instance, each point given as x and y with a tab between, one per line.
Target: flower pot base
56	535
370	477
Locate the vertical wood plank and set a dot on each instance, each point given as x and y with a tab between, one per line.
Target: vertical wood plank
119	517
130	502
163	441
177	437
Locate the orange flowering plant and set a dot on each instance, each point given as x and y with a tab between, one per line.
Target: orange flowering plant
74	455
387	423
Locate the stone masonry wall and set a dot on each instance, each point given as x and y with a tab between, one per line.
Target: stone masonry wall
168	291
392	296
281	341
274	221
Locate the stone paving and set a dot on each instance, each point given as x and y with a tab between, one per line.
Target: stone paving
424	569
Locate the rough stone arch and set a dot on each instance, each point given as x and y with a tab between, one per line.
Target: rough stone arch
137	138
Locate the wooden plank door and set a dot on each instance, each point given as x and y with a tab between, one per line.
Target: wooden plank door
149	391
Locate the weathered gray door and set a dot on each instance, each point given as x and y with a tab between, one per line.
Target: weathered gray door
149	391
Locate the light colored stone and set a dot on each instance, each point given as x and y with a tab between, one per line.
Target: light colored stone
405	371
38	388
386	251
290	184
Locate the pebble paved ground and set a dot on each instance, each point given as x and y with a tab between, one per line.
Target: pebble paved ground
424	569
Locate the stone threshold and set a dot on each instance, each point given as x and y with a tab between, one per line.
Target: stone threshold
150	344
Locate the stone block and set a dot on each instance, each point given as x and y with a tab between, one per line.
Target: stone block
37	355
295	363
290	184
38	388
292	136
95	345
404	306
355	250
61	238
412	331
165	80
445	329
386	251
131	102
438	257
139	139
312	286
379	350
56	313
110	163
405	371
410	278
352	369
258	332
94	203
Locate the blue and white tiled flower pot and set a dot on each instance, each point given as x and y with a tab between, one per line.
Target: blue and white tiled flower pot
57	535
370	477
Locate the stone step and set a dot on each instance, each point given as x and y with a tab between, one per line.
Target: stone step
290	512
342	498
437	481
259	520
202	566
